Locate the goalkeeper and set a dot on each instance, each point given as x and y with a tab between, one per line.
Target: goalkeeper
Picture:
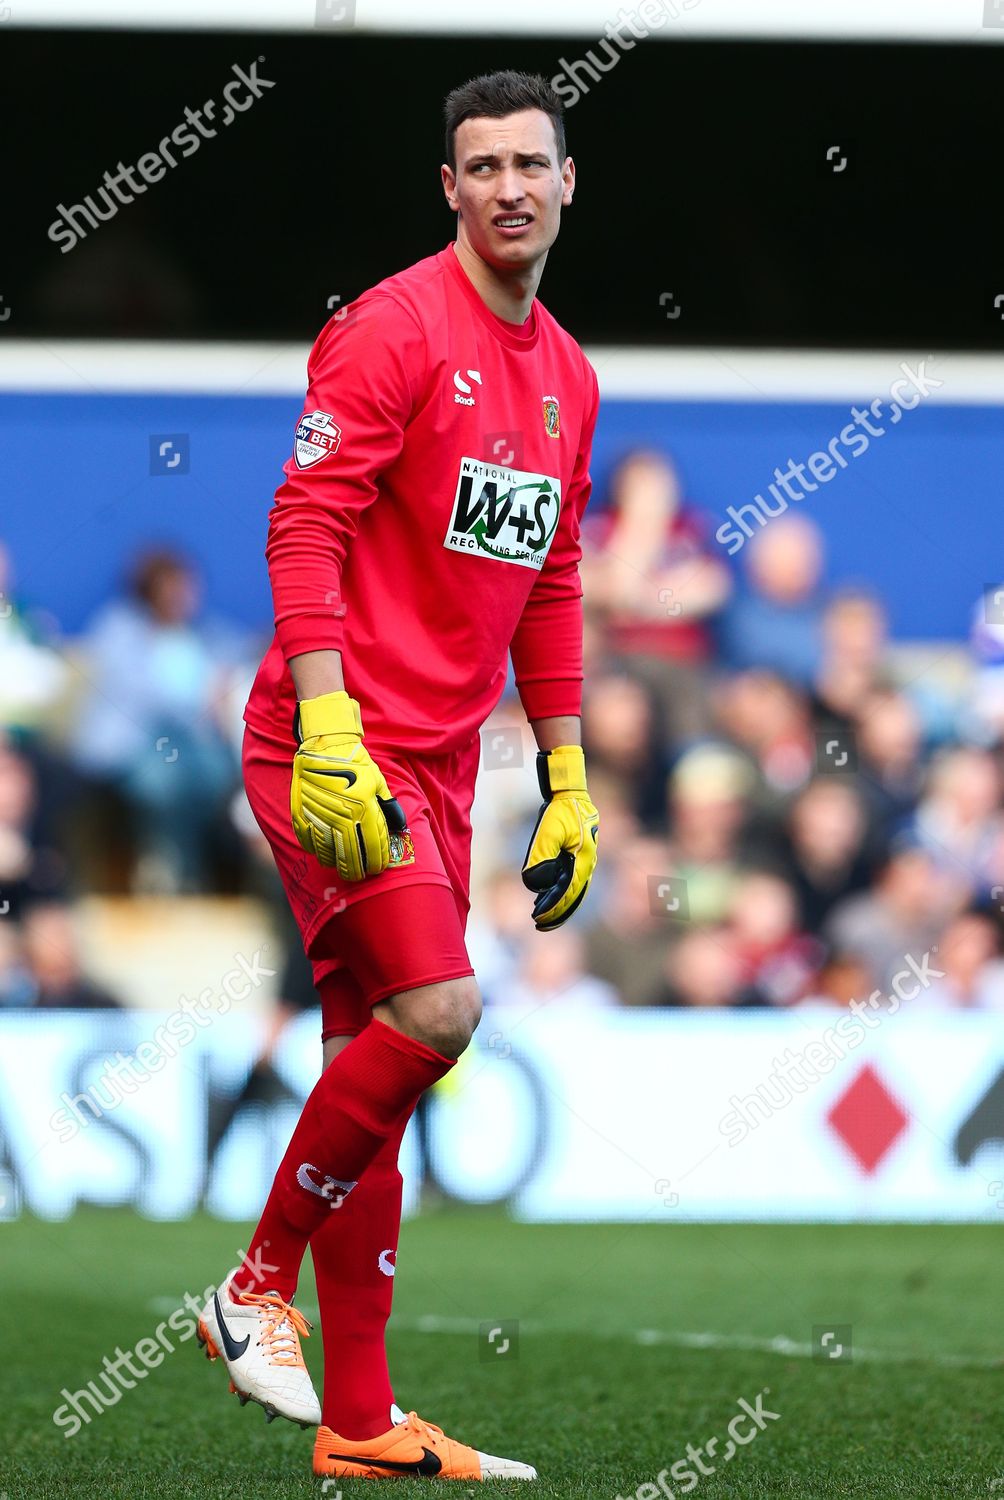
427	527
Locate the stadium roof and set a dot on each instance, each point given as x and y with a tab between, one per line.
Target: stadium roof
862	20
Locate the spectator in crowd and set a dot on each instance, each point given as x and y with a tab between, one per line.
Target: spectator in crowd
704	970
30	867
621	739
150	725
554	976
984	709
779	961
777	622
654	583
709	791
769	719
628	930
496	932
904	913
889	743
32	674
507	796
35	688
620	823
17	796
842	977
852	664
55	969
958	820
969	955
820	848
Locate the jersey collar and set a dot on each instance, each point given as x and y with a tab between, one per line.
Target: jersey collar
518	336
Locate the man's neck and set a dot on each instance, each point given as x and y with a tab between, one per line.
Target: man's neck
508	297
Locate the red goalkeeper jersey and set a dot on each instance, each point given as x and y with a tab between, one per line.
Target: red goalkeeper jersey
429	519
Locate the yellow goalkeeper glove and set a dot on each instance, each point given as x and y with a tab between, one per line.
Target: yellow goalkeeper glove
561	857
341	807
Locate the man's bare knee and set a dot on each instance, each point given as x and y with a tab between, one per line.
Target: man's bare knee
443	1016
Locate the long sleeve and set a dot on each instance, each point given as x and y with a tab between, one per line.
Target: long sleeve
365	374
547	646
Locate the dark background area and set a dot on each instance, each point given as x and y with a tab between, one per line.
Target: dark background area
702	173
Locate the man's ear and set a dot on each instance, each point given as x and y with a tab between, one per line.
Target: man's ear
449	181
568	181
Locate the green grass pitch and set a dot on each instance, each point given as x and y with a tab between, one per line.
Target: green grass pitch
633	1342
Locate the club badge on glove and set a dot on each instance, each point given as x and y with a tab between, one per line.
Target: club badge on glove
402	848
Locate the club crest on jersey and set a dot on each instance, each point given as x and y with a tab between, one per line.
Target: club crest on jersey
317	435
551	416
505	514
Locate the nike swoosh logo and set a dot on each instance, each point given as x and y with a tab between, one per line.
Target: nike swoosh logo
349	776
231	1348
327	1188
428	1466
385	1262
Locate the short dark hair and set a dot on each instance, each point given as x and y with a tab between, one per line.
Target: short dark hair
495	95
152	567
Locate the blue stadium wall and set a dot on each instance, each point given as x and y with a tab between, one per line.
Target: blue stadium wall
917	516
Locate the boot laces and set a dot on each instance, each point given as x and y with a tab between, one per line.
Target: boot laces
419	1427
282	1326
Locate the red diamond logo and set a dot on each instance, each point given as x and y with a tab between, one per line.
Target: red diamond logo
868	1119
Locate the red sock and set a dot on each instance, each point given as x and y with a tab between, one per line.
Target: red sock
354	1255
368	1090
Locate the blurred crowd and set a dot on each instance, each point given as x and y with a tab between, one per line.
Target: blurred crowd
790	806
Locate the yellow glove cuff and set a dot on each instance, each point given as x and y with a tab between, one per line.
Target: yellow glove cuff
566	769
331	713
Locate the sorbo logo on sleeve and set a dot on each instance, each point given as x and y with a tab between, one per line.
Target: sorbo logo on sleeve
505	514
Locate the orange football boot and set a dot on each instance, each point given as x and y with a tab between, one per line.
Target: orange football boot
411	1449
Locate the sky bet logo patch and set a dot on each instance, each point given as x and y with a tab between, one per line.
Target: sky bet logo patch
316	437
505	514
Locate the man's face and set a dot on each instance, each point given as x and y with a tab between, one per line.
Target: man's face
509	170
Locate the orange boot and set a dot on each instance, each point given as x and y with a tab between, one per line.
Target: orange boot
412	1448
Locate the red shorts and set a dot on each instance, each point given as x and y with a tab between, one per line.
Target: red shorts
363	950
